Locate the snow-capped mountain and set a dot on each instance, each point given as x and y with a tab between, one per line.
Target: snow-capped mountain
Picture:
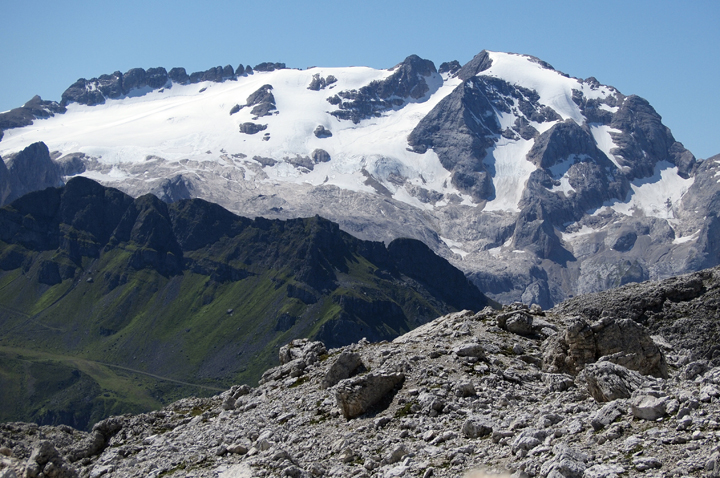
536	184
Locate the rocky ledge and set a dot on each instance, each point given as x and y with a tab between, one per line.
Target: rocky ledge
520	390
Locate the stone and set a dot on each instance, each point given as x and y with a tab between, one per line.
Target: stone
607	381
252	128
642	463
320	156
521	324
475	428
356	396
607	414
309	351
322	132
604	471
647	407
470	349
345	366
566	463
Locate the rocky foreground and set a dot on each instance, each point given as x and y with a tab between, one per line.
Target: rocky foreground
583	390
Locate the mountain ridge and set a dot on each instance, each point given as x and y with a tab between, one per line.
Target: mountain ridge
191	292
522	176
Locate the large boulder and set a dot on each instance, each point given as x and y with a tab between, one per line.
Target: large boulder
621	341
358	395
607	381
345	366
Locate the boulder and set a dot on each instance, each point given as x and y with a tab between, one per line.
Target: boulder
252	128
607	414
476	428
322	132
346	365
629	344
621	341
607	381
304	349
320	156
648	407
567	463
46	461
358	395
470	349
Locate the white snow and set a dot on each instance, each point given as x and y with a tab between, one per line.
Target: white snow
510	171
583	231
657	195
555	90
684	239
604	141
183	123
612	109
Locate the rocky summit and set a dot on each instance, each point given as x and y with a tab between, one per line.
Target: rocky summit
584	390
538	185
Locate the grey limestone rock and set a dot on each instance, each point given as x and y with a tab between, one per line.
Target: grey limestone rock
607	381
345	366
648	407
268	66
475	427
478	64
356	396
620	341
566	463
252	128
320	156
179	76
470	349
450	67
29	170
607	414
309	351
408	82
322	132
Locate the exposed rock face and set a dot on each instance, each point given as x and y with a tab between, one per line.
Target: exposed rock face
357	396
681	306
252	128
319	83
263	101
622	341
322	132
408	82
269	66
29	170
450	67
36	108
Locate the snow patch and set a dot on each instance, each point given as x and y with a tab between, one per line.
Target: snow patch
510	172
604	141
583	231
656	195
555	90
684	239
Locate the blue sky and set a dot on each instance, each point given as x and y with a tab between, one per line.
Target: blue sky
667	52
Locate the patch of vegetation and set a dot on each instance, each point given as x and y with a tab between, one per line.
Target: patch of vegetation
405	410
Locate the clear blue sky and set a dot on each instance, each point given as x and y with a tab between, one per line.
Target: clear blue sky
667	52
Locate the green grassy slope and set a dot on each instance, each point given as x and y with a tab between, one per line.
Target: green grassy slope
187	292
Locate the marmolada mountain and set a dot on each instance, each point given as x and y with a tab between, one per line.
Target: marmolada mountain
341	242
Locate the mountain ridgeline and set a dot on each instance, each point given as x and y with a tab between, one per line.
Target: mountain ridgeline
191	292
538	185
